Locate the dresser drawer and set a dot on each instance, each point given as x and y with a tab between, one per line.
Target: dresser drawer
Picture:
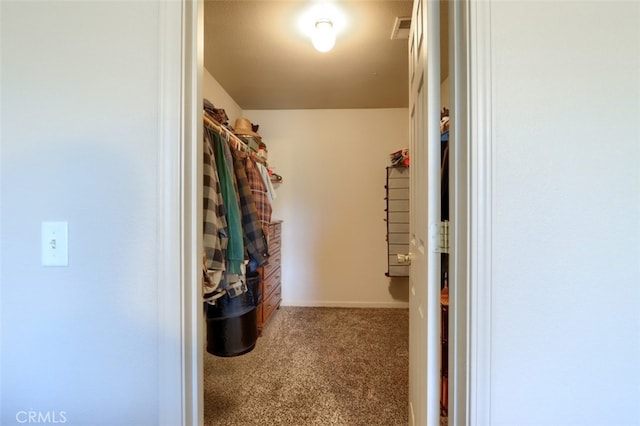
273	246
271	282
272	264
270	304
274	231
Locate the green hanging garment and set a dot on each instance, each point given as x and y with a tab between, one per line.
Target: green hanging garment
235	246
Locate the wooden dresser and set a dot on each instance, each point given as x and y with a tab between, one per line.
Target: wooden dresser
271	277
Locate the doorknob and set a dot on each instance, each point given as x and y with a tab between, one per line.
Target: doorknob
404	258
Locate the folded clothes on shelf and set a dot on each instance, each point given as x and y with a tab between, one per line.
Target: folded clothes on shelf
400	158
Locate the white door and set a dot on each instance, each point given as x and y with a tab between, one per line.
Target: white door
424	281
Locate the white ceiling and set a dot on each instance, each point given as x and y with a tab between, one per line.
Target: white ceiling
256	51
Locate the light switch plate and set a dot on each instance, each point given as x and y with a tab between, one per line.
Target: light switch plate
55	244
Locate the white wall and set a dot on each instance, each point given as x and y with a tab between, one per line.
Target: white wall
565	294
332	202
79	138
218	96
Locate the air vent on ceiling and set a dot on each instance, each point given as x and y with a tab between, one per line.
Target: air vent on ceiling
401	28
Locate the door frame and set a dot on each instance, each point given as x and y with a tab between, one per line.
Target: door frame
478	126
179	209
192	215
470	289
471	212
459	312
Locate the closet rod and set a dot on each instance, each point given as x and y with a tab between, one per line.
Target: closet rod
240	145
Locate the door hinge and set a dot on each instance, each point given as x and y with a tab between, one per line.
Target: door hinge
443	237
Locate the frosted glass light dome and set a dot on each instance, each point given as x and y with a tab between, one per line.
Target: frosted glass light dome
324	38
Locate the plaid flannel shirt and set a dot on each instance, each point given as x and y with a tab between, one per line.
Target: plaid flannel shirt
254	236
215	224
259	192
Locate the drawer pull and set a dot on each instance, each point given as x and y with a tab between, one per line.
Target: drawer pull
274	280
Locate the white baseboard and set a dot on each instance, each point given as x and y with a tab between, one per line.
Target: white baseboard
336	304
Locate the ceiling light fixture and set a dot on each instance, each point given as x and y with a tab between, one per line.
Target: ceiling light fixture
324	37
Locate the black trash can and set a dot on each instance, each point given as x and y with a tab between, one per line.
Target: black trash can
232	327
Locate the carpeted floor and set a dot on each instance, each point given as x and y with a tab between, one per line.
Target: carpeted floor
315	366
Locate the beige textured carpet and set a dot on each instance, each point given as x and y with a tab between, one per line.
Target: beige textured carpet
315	366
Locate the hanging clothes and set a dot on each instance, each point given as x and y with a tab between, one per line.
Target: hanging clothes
259	192
215	224
235	246
271	192
254	237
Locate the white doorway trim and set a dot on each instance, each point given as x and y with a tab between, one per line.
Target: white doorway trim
193	325
459	184
180	313
470	283
479	123
170	283
471	213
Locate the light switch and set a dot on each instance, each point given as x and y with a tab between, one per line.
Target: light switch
55	244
